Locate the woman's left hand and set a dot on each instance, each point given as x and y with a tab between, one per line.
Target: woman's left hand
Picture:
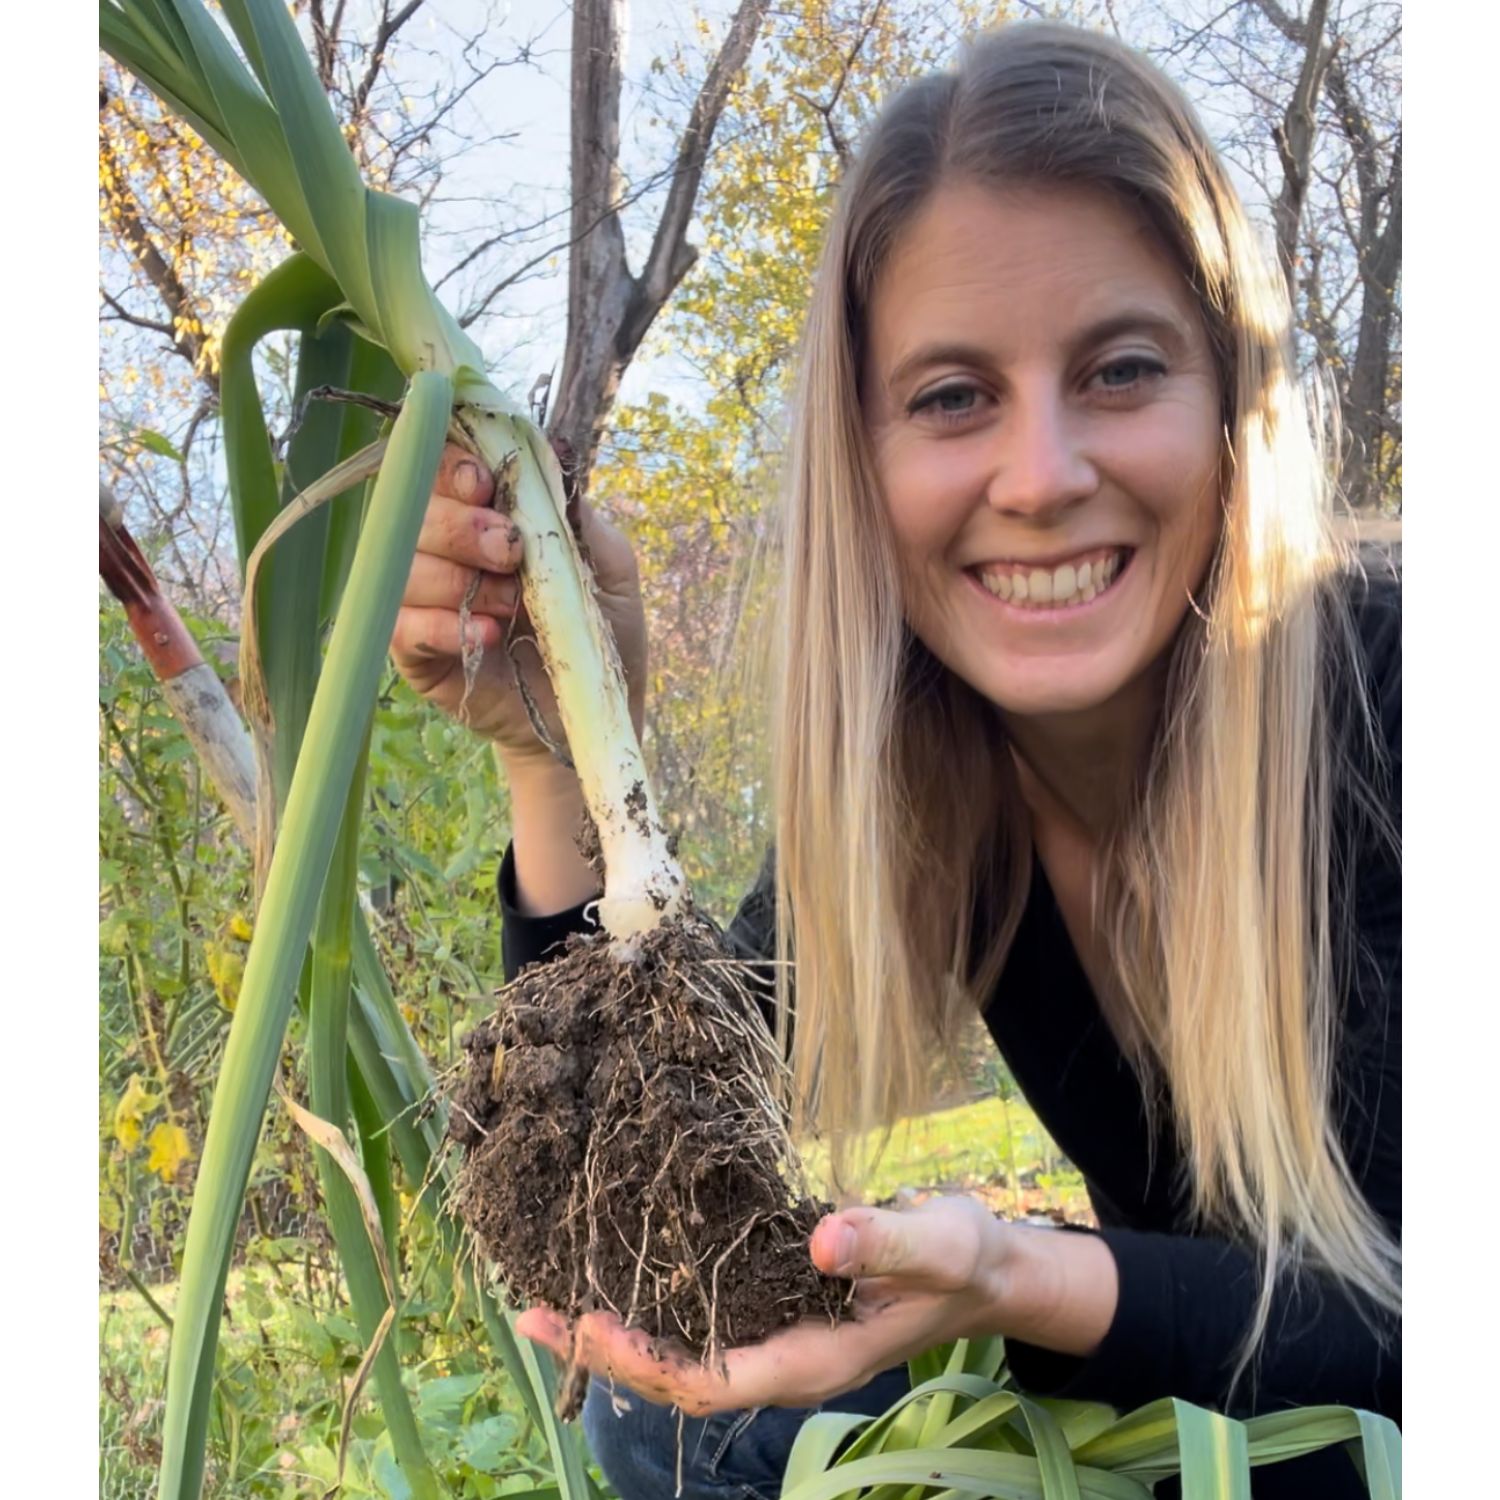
923	1276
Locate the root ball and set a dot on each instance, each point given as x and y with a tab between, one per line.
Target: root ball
626	1148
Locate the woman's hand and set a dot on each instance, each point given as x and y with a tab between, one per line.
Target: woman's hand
462	538
946	1270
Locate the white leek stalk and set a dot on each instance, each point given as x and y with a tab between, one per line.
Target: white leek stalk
642	881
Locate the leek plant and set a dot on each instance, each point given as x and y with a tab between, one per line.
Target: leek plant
963	1430
369	323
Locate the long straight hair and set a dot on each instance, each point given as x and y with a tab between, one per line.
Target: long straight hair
903	851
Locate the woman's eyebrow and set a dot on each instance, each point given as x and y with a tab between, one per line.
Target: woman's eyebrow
937	354
1163	327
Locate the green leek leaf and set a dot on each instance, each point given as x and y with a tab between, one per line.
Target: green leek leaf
1214	1454
356	656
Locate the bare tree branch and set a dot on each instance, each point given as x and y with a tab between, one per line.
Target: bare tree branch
477	309
389	26
185	330
325	40
841	147
1294	141
1320	101
124	315
609	309
670	254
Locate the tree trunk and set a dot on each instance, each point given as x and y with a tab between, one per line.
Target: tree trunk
1294	142
1365	415
609	308
1363	394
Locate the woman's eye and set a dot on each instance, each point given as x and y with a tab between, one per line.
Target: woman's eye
950	402
1125	374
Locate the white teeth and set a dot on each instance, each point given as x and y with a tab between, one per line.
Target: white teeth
1056	587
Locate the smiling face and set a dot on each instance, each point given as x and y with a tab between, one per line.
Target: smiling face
1044	412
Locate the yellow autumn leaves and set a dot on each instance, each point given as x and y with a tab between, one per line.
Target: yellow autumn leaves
167	202
226	961
167	1144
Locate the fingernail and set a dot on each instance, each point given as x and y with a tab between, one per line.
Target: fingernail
496	544
844	1240
466	479
544	1329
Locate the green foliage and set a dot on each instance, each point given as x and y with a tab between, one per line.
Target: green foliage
964	1428
968	1145
174	876
289	1350
437	820
174	892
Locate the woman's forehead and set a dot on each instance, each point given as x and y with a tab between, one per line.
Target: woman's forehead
1016	264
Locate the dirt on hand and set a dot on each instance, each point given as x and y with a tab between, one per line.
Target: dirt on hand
626	1149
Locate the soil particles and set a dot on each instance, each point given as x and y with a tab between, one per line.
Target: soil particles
626	1150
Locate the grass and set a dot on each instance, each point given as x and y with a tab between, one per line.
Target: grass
966	1148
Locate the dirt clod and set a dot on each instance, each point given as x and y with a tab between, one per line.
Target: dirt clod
586	839
626	1149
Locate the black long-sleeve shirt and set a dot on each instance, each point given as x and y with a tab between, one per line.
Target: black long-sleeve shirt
1186	1297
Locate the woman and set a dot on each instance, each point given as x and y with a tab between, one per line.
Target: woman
1078	709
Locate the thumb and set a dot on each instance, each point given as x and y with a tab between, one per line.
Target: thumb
866	1242
543	1326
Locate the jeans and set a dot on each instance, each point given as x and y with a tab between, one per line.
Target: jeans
732	1455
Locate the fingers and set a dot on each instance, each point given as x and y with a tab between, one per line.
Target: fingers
427	637
939	1243
463	477
543	1326
593	526
615	1353
476	538
802	1366
632	1358
810	1362
614	560
436	583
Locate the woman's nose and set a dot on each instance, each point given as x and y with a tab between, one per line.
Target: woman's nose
1040	466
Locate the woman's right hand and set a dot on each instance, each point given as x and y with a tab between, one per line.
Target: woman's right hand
461	535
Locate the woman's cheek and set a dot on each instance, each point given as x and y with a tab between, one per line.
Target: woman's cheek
929	495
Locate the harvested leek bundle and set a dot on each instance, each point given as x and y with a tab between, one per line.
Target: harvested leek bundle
655	980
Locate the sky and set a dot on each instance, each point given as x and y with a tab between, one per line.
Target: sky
530	104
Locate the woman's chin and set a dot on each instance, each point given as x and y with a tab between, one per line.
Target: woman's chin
1050	693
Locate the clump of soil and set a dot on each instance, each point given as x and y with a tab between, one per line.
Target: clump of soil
626	1150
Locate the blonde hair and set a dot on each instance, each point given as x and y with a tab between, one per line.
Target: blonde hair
903	854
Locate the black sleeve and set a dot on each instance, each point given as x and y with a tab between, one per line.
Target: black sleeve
526	940
1186	1302
752	933
752	936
